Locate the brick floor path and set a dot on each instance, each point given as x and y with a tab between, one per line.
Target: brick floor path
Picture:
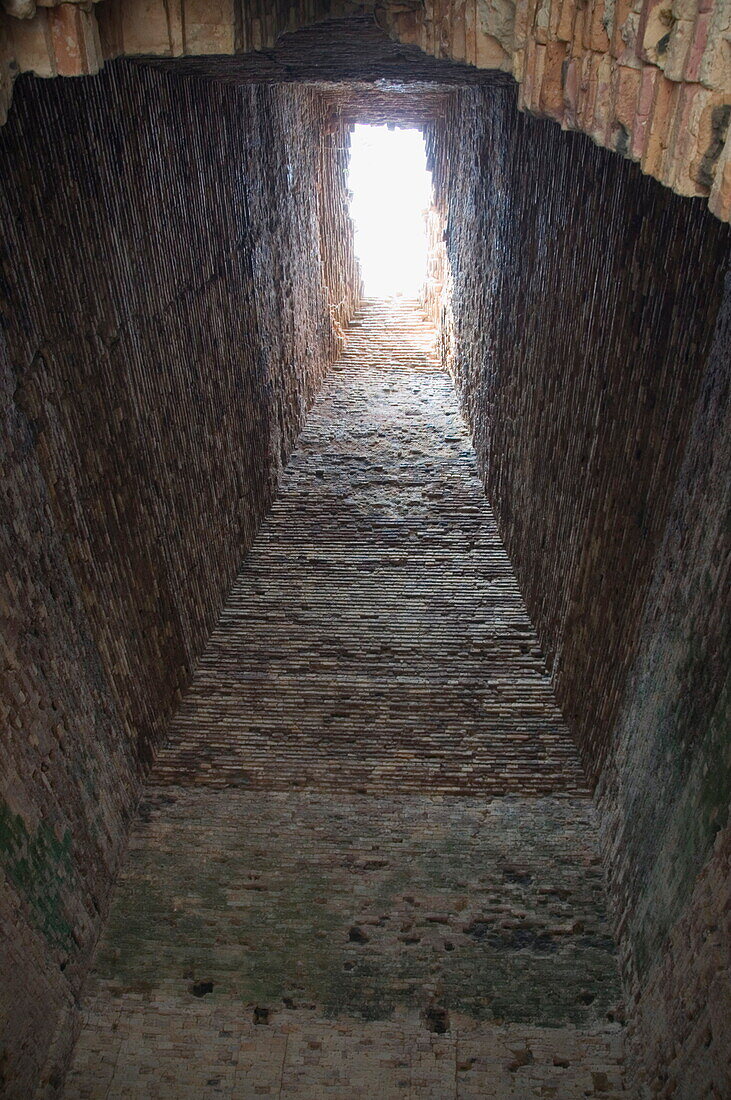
366	863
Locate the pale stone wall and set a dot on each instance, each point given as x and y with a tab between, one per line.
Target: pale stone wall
650	79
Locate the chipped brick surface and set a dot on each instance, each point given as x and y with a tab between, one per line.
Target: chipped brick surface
376	623
601	422
680	46
358	871
365	906
299	1054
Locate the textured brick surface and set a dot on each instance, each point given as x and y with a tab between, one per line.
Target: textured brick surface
667	856
154	383
295	864
649	80
376	623
157	365
365	906
600	419
679	1026
583	303
221	1052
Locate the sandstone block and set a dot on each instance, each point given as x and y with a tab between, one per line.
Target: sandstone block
75	40
720	197
663	109
551	102
32	45
572	78
656	23
715	67
565	27
697	46
209	26
675	58
626	85
649	76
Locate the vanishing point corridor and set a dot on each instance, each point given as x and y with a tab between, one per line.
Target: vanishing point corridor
366	863
365	390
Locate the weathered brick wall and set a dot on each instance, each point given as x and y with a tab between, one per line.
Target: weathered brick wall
583	304
665	796
648	79
166	324
340	268
583	311
369	827
679	1033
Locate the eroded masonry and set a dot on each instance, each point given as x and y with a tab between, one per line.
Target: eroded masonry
364	663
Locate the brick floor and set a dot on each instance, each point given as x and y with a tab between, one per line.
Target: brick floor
366	864
375	638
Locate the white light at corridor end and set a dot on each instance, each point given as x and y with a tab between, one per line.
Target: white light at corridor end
391	191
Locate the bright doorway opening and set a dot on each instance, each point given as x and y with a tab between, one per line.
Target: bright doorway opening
391	194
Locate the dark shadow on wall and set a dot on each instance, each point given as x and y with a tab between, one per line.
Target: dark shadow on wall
584	303
167	326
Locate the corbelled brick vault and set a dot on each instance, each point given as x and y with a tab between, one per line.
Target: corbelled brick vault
364	664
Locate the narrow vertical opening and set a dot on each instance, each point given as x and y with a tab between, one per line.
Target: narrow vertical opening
390	188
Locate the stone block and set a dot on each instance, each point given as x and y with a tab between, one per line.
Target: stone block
711	124
600	126
521	25
720	197
572	77
658	128
649	76
676	55
588	92
625	93
32	45
490	54
145	28
656	24
682	152
565	26
75	40
715	67
598	39
497	18
209	26
551	101
542	22
697	47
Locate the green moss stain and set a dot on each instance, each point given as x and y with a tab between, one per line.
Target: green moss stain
39	866
358	915
677	784
696	789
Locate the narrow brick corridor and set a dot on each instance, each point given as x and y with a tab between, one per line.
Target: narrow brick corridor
366	863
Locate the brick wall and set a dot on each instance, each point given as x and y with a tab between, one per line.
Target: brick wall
664	797
649	80
582	318
165	326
